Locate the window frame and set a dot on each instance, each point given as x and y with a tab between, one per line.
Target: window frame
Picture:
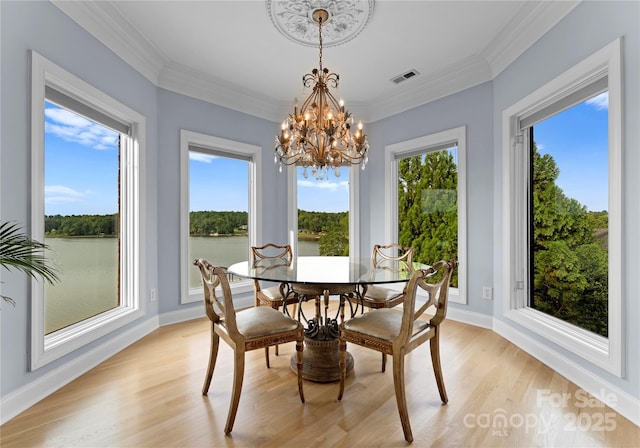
47	348
217	145
392	154
603	352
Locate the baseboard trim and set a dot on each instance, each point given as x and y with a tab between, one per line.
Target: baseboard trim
625	404
196	312
470	317
23	398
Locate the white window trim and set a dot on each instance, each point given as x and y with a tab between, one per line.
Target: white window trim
354	208
603	352
217	144
457	136
47	348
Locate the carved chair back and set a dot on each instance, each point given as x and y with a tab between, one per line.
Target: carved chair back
219	312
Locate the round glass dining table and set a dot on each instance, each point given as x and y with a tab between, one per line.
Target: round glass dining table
324	271
318	278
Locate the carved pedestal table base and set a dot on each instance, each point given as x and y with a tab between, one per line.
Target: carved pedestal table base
321	351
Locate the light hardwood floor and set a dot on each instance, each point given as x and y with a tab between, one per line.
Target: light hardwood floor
149	396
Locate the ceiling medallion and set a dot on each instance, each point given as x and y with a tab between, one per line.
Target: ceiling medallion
294	19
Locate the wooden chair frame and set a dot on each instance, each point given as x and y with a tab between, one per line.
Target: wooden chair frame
229	325
273	295
397	333
379	257
372	296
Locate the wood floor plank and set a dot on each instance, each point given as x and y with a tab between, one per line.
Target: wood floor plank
148	395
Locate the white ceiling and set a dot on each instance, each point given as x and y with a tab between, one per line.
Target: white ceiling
230	52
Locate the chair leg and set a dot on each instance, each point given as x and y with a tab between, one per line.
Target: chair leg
238	375
275	306
343	366
401	398
266	355
213	356
384	362
299	361
437	369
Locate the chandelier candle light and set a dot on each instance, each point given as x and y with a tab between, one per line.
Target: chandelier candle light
318	135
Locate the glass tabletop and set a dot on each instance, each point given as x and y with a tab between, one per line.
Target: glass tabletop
325	270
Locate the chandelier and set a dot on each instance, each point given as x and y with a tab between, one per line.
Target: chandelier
319	135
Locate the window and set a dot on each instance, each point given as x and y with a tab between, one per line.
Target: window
568	214
426	197
562	202
324	213
91	217
219	206
82	215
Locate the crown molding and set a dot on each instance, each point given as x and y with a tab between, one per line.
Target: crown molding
454	78
199	85
105	22
531	22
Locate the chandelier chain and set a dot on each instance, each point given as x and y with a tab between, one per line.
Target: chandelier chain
320	37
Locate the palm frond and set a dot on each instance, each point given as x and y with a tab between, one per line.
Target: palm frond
20	252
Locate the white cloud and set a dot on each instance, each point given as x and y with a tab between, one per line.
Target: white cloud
74	128
59	194
333	186
201	157
600	102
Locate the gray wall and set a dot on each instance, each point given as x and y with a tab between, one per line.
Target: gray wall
591	26
42	27
179	112
471	108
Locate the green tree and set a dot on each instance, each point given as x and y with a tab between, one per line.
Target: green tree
427	206
570	268
336	240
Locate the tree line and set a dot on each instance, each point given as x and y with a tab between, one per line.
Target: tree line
569	275
201	223
81	225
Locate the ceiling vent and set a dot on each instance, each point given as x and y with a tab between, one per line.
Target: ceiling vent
410	74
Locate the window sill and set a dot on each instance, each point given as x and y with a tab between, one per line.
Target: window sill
588	345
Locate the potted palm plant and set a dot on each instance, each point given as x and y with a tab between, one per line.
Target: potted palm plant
18	251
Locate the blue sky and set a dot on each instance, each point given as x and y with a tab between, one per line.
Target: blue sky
81	166
578	141
211	175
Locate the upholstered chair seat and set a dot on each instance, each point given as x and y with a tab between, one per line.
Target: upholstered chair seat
384	324
262	321
380	297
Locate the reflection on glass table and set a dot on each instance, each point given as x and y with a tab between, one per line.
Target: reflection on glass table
317	279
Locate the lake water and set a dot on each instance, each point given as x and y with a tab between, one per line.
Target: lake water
89	277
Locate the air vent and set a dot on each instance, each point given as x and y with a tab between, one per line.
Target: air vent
410	74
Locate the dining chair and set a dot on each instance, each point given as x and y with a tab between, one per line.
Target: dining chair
245	330
376	296
272	296
397	333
